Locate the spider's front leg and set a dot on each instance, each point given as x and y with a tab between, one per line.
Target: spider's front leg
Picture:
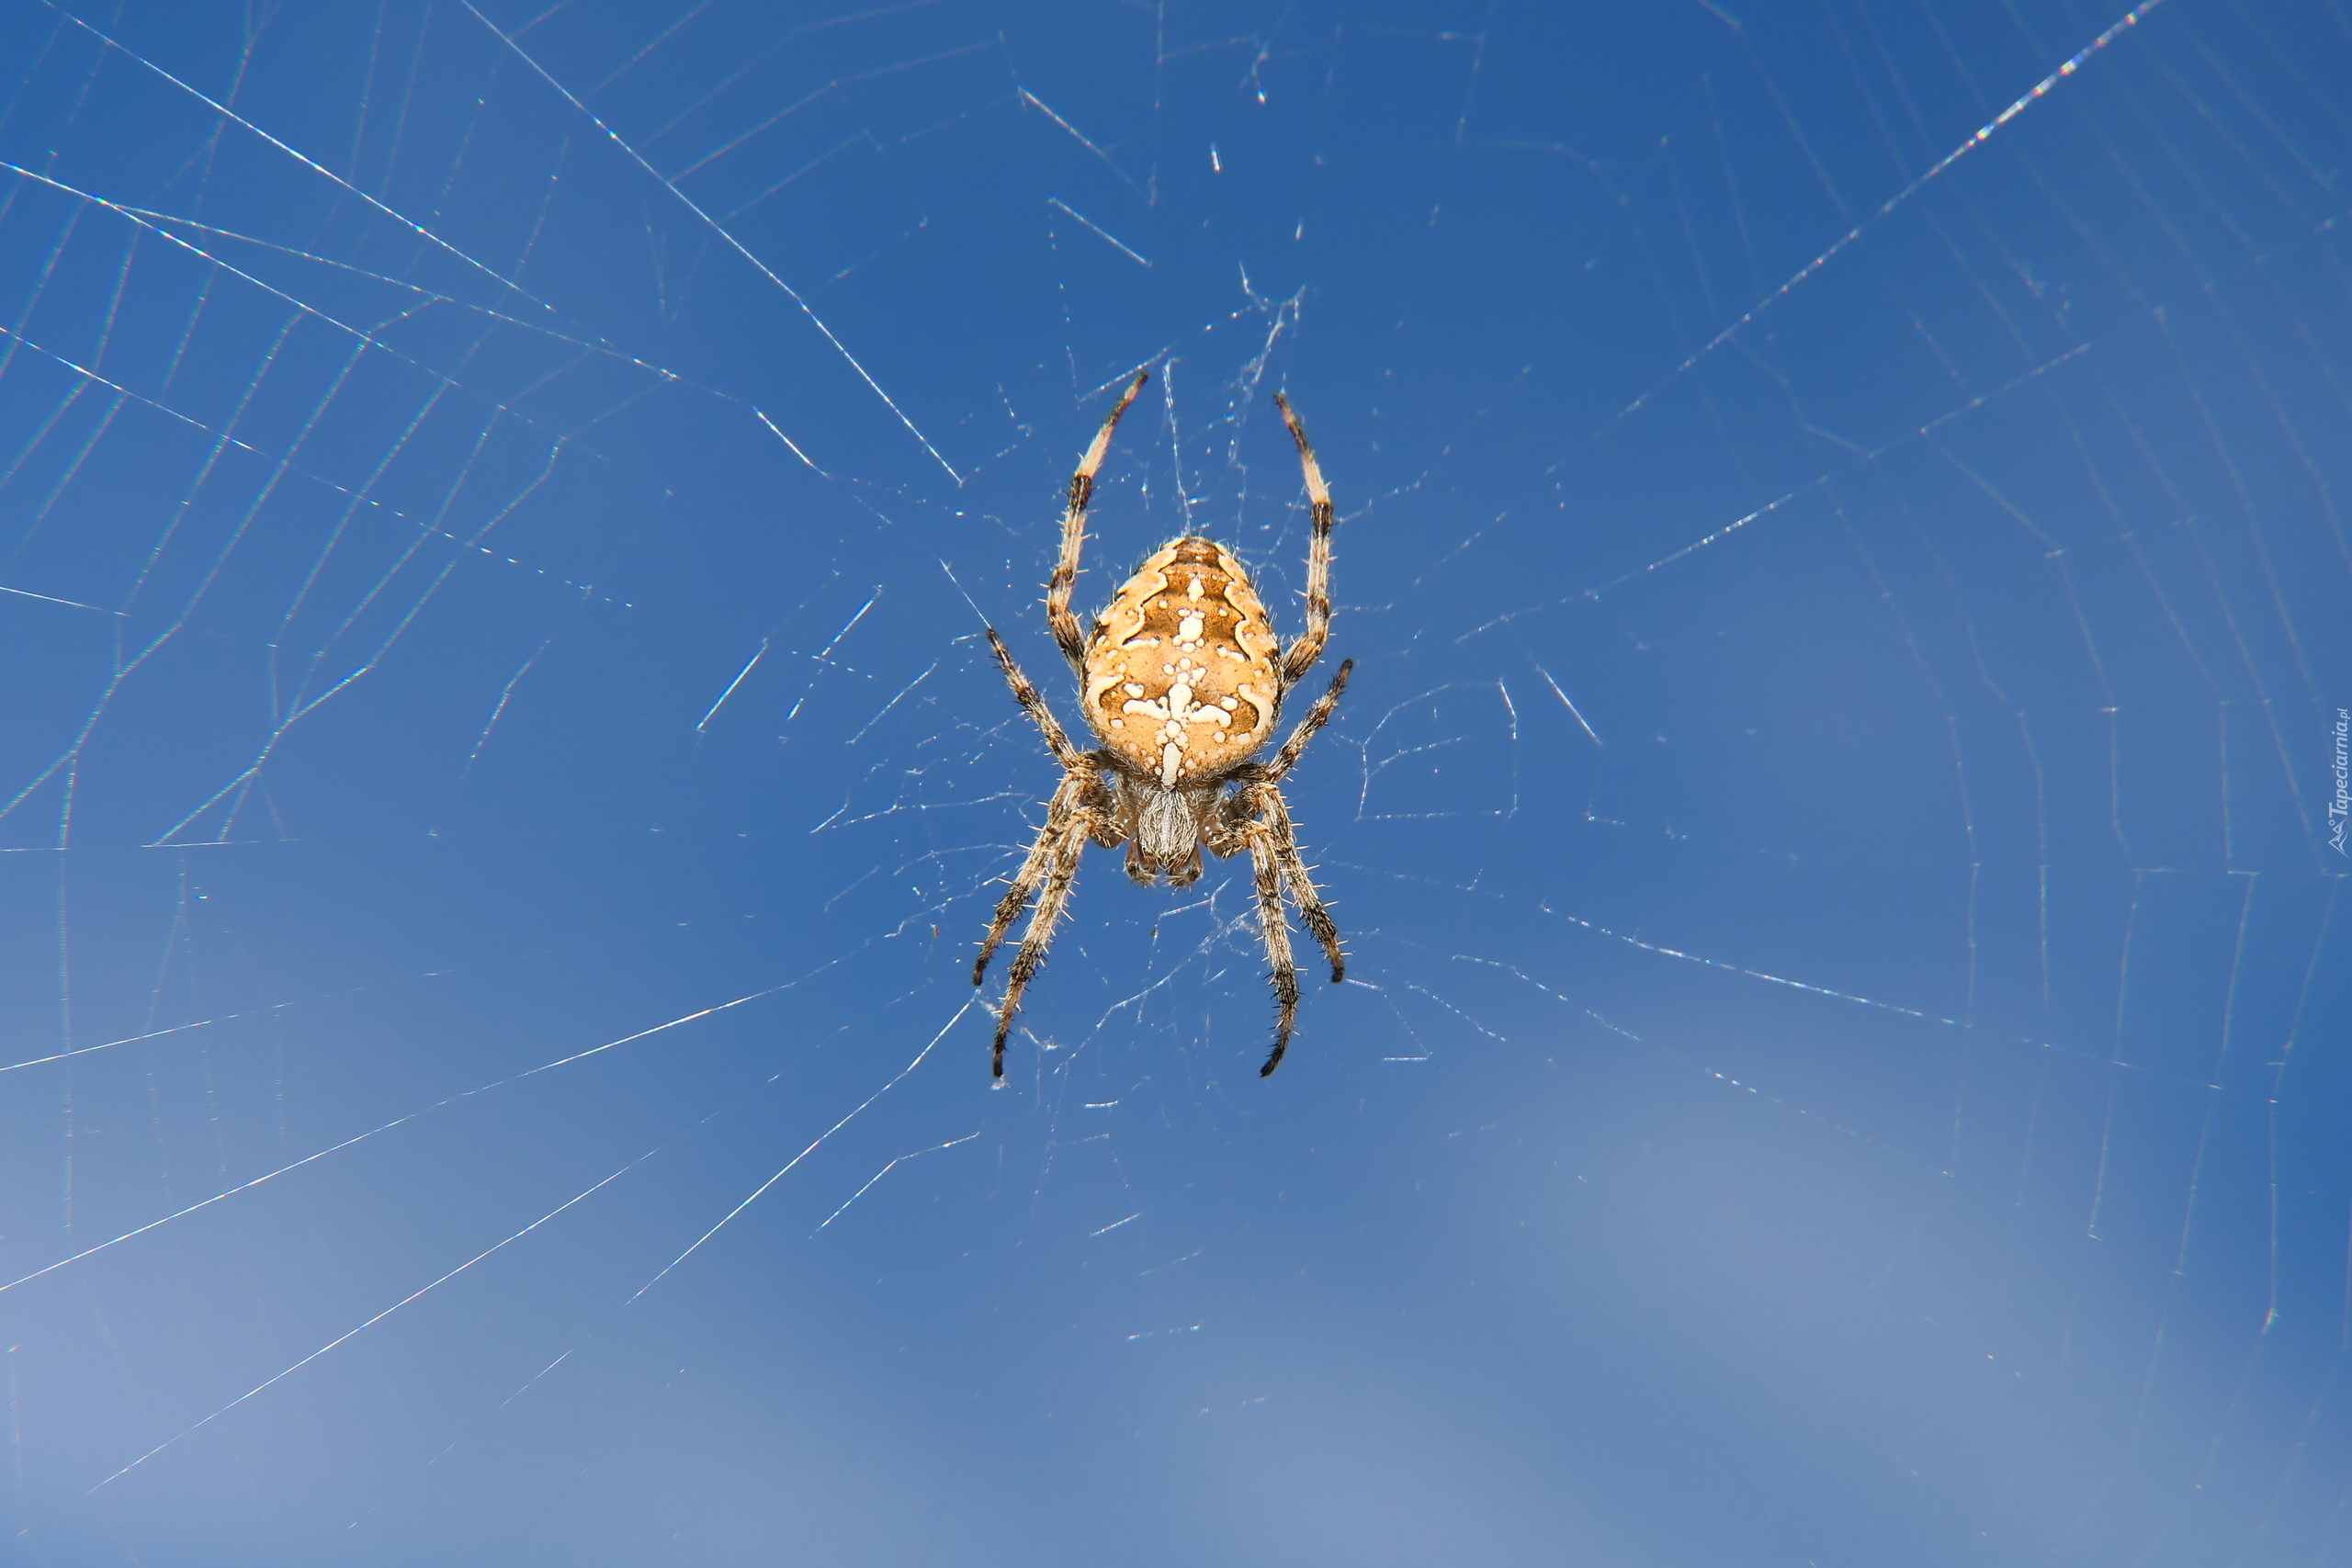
1080	798
1276	931
1257	818
1040	934
1081	808
1284	840
1068	805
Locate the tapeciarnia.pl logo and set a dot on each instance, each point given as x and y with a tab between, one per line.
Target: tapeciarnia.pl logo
2339	810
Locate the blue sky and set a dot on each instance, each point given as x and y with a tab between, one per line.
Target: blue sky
501	780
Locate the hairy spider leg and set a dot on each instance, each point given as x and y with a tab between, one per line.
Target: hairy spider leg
1026	963
1032	702
1301	655
1316	718
1312	911
1065	630
1067	808
1265	859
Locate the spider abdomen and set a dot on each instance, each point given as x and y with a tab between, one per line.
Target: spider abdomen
1181	681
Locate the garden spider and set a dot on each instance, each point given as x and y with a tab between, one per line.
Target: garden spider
1181	681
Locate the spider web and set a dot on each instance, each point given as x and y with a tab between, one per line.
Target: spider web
1838	819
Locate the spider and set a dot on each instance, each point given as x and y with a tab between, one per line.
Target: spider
1181	679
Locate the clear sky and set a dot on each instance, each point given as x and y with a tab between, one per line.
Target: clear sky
502	779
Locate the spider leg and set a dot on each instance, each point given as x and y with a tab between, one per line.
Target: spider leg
1282	838
1316	718
1300	657
1065	626
1113	808
1033	702
1025	963
1068	804
1276	928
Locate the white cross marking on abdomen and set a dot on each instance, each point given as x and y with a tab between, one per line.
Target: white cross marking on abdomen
1175	711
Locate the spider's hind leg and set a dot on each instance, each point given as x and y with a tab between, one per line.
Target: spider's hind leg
1065	630
1300	657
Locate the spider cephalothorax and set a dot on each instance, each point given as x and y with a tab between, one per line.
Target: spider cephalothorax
1181	681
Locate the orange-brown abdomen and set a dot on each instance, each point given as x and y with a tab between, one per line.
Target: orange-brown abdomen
1180	678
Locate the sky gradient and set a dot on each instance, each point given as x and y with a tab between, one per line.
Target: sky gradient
502	779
